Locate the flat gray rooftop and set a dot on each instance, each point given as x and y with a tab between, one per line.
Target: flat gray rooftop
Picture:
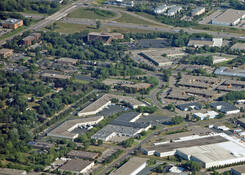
197	142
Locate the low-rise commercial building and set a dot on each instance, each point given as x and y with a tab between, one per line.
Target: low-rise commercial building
77	166
230	17
78	154
238	46
12	23
137	86
213	150
207	115
173	10
41	145
105	100
96	106
225	108
198	11
238	170
132	167
221	59
6	52
47	75
104	37
161	9
65	129
169	148
69	61
214	42
27	41
125	125
241	122
8	171
214	155
231	72
189	106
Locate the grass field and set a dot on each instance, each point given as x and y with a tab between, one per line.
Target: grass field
219	28
13	32
92	13
73	28
126	18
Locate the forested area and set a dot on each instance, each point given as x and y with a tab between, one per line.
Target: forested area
18	119
27	5
233	96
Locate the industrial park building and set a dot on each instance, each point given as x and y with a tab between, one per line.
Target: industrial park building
211	150
125	125
104	37
131	167
105	101
198	11
65	129
229	18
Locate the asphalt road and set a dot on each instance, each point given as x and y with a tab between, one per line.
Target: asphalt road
50	19
149	28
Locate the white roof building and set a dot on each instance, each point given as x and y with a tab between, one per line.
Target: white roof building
161	9
214	155
207	115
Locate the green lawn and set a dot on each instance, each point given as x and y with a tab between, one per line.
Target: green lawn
219	28
92	13
126	18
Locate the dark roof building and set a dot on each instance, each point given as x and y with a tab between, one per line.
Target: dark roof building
41	145
82	155
239	170
225	107
189	106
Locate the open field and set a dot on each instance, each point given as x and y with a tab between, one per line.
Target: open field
92	13
219	28
126	18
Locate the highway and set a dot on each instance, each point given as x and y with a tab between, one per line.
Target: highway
50	19
149	28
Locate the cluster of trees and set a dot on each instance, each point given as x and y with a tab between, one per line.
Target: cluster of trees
166	74
128	143
147	109
118	69
51	104
113	156
23	5
236	4
170	107
233	96
73	46
177	120
161	168
193	166
199	60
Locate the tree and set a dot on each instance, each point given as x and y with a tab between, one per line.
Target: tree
98	24
177	120
128	143
100	142
193	166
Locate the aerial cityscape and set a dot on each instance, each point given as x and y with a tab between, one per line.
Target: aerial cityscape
122	87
